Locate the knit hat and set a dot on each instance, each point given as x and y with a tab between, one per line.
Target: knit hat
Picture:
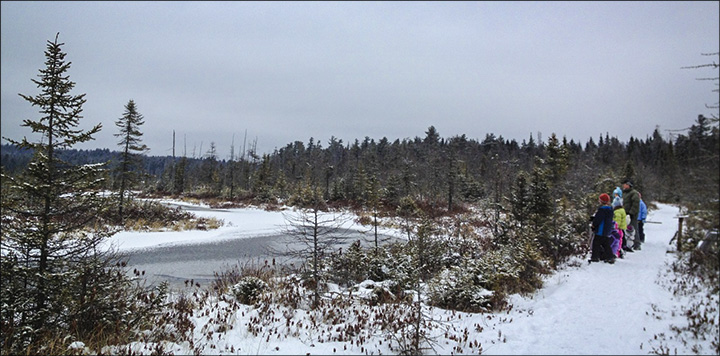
618	191
604	198
628	182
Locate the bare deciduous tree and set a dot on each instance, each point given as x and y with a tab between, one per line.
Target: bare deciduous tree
314	232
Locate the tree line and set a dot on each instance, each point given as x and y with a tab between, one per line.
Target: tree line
439	171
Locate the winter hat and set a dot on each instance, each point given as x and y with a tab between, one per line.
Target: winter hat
628	182
618	191
604	198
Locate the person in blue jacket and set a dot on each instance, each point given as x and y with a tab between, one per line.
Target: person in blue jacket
642	215
602	225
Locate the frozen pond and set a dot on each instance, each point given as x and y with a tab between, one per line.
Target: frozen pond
245	240
199	262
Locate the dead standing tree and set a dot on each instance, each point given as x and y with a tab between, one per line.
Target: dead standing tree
313	230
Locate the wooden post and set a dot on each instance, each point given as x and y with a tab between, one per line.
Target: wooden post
680	229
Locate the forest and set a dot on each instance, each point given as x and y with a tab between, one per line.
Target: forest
438	171
511	212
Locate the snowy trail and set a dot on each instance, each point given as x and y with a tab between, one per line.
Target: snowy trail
597	308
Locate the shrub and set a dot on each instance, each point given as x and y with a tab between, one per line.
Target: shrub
249	289
460	288
350	267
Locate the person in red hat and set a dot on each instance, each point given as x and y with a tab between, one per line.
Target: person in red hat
602	225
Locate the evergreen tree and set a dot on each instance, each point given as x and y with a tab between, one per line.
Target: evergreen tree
178	184
432	137
408	210
209	174
393	190
541	209
558	159
452	176
373	204
629	172
262	181
558	162
420	249
360	187
49	244
130	141
231	165
520	208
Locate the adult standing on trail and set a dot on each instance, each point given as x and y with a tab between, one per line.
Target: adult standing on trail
631	203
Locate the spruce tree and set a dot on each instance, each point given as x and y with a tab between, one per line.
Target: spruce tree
178	183
558	162
209	174
558	159
130	141
230	175
520	201
540	210
49	239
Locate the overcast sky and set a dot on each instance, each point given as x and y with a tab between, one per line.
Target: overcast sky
289	71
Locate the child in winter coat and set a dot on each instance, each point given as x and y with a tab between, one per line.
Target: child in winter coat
617	196
620	218
602	225
616	241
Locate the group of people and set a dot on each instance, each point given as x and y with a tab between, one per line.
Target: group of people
617	221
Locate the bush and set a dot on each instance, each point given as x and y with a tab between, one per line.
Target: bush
460	288
99	305
249	289
350	267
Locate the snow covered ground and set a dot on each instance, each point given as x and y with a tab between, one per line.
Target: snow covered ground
238	223
604	309
598	309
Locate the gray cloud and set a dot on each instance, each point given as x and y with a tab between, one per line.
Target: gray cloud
287	71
